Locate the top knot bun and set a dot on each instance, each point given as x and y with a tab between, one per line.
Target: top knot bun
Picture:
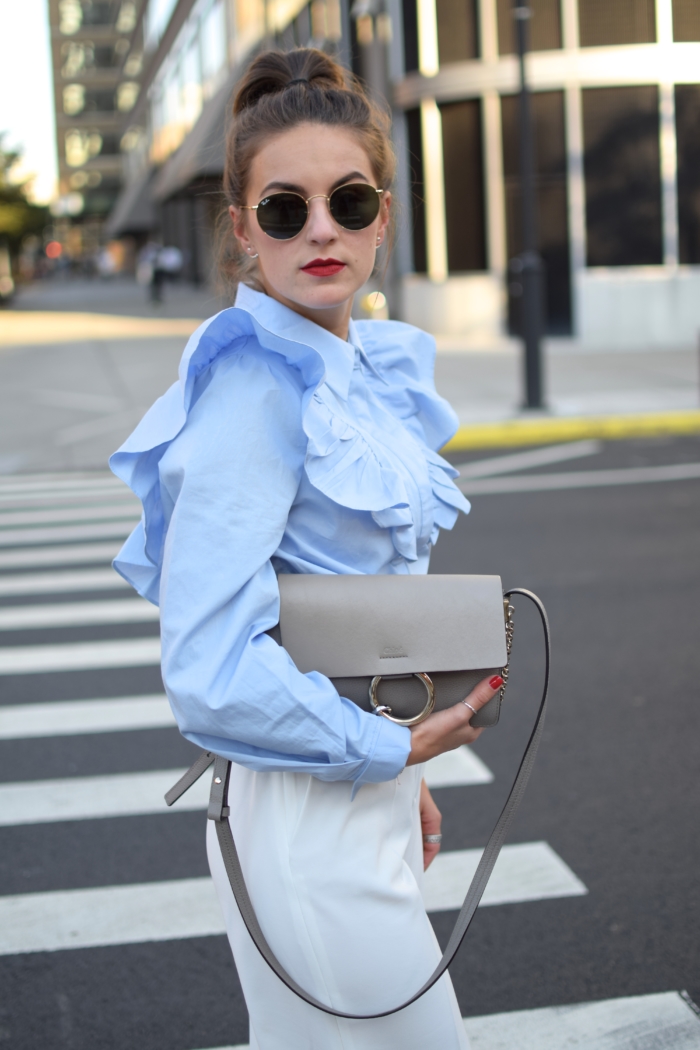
275	71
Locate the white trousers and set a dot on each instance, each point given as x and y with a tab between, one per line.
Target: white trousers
336	885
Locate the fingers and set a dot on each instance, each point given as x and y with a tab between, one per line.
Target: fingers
430	819
430	852
482	693
448	729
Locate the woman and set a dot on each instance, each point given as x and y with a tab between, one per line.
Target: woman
298	441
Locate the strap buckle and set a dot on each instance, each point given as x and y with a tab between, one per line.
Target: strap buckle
218	810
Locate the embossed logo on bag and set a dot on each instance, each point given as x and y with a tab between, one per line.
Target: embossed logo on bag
392	652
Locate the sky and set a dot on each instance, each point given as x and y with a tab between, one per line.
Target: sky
26	91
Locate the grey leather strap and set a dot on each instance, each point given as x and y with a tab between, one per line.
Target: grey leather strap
219	812
190	777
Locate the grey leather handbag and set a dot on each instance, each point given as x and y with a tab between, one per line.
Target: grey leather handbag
401	646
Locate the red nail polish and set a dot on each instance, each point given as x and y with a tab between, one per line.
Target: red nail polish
496	682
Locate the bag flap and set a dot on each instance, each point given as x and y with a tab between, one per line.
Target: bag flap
344	626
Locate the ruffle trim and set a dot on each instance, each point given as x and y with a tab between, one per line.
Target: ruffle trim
340	461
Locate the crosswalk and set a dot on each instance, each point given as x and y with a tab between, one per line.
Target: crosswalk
58	534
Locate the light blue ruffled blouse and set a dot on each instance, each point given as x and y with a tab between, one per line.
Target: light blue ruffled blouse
282	449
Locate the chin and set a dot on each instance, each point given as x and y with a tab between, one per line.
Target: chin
327	298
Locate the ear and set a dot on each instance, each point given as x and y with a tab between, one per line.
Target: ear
384	213
240	230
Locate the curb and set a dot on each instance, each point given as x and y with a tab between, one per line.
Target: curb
542	430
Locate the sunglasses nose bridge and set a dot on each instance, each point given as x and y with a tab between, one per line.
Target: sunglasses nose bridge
324	217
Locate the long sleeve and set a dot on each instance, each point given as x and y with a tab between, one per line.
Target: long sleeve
227	484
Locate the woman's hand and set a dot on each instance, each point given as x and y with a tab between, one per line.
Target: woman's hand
430	821
446	730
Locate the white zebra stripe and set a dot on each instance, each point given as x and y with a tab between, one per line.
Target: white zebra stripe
163	911
139	794
538	457
60	582
661	1021
79	656
580	479
77	614
77	717
113	530
65	554
85	512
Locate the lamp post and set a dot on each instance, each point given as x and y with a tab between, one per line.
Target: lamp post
530	260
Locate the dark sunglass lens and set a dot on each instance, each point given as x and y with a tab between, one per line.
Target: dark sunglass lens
282	215
354	207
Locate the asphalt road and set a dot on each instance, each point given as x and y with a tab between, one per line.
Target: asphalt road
615	791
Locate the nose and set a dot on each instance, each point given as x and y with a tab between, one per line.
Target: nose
320	227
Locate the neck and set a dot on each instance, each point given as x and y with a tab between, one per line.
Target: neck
335	319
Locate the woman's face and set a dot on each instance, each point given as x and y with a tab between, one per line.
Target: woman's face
312	159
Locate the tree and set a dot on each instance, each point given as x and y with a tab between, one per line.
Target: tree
18	216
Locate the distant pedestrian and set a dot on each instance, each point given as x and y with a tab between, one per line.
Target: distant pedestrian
156	265
298	441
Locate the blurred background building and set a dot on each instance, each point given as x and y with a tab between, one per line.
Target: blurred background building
96	82
143	90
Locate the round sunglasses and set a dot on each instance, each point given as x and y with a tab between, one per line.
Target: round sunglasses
284	215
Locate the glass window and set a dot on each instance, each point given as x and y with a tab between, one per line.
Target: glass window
157	17
81	146
623	176
127	93
457	30
70	16
544	29
126	19
171	97
77	58
213	48
415	162
106	57
464	185
604	22
77	99
687	124
191	83
73	99
410	35
551	197
99	102
97	13
686	20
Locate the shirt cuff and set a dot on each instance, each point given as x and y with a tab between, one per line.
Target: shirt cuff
392	746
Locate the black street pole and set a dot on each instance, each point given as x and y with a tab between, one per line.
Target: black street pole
530	261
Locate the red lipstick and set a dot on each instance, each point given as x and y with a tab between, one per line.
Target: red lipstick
323	267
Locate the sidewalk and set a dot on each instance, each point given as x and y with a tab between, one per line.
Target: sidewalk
80	361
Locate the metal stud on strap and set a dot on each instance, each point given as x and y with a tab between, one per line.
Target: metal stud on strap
218	810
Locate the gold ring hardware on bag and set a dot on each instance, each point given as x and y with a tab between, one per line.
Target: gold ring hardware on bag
381	709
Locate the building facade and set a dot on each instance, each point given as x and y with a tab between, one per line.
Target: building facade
616	104
173	141
96	83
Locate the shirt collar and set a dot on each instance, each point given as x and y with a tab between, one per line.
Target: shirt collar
338	356
354	338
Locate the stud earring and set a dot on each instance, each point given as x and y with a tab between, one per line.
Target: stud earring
379	240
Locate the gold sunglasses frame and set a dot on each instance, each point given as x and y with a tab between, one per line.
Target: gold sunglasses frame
313	197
